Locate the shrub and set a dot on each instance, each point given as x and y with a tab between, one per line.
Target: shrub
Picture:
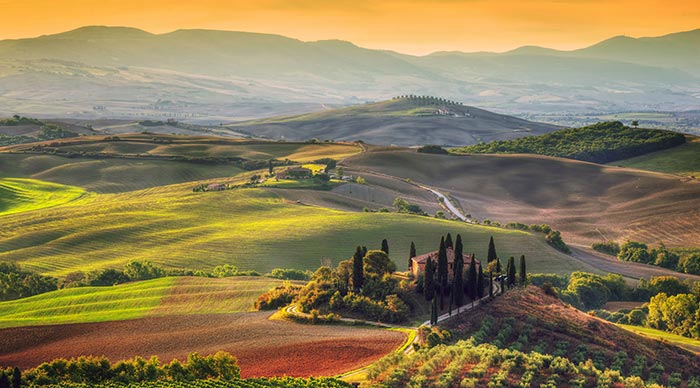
277	297
609	247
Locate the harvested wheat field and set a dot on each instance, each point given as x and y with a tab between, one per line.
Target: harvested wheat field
588	202
263	347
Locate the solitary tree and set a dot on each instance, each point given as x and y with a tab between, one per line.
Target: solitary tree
429	279
511	272
270	167
635	123
448	241
411	254
442	271
358	276
385	246
492	251
523	272
480	284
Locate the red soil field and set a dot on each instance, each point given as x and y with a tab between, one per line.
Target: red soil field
263	347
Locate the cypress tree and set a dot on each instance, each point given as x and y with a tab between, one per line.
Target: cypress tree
434	312
442	272
448	241
452	300
523	272
429	279
16	378
472	279
270	167
358	276
385	246
411	254
364	251
511	272
458	280
490	285
492	251
459	255
4	380
480	284
499	269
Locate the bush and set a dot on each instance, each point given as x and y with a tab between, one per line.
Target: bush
277	297
554	239
432	149
609	248
16	283
290	274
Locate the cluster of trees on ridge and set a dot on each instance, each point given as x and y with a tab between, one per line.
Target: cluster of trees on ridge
599	143
48	131
685	260
672	306
16	282
362	286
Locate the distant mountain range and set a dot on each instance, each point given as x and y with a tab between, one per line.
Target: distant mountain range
220	76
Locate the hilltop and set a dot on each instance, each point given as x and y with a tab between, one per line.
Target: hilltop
223	76
404	121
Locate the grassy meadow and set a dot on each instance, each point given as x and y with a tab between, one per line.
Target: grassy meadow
157	297
681	160
689	344
18	195
254	229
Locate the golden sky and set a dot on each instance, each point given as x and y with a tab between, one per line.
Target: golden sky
410	26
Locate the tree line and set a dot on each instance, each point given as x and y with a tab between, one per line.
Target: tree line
599	143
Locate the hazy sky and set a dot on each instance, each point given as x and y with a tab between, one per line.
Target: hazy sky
410	26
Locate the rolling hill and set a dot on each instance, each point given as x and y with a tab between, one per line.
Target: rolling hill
404	121
222	76
19	195
587	202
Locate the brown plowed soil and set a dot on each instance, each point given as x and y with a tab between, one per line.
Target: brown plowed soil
263	347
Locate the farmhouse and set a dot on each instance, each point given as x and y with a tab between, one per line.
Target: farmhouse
418	262
295	173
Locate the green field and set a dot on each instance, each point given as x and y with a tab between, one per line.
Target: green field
19	195
165	296
254	229
681	160
690	344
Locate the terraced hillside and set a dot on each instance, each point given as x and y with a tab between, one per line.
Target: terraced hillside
587	202
254	229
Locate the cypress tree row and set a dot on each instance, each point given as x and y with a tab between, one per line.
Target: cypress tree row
429	279
448	241
492	252
511	272
358	276
480	284
385	246
523	272
411	254
442	272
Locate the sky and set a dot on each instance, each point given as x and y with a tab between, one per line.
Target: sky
408	26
